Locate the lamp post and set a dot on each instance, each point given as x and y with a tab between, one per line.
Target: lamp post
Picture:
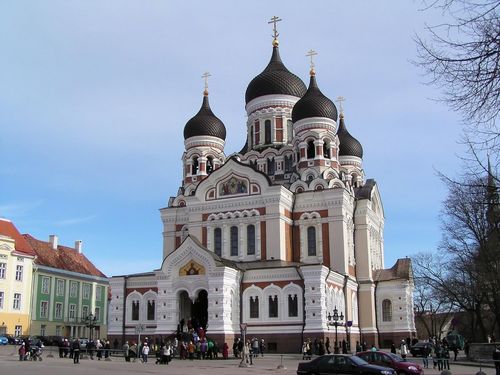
336	320
90	321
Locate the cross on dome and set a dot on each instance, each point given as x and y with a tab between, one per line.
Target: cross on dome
339	100
275	35
205	77
311	54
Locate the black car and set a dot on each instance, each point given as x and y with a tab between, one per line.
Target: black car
340	364
417	350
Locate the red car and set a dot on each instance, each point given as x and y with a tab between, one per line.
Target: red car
400	365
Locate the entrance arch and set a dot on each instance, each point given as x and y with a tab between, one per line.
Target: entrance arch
195	313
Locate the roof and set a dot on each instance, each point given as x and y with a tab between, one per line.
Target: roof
314	104
64	258
260	264
275	79
401	270
348	145
205	123
7	228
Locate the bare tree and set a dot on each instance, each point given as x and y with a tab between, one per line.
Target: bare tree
462	57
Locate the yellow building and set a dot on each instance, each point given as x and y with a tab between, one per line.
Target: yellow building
16	272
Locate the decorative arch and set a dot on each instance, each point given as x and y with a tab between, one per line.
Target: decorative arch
253	298
292	302
272	299
134	305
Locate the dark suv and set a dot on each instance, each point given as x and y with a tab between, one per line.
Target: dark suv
402	366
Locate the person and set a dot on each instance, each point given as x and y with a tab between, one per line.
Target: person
358	347
99	349
22	352
255	347
145	352
246	353
446	356
133	352
393	348
107	349
327	345
309	348
75	346
126	351
241	344
455	353
496	359
225	351
321	347
235	348
262	347
373	348
344	347
466	348
90	349
403	349
364	346
304	350
425	356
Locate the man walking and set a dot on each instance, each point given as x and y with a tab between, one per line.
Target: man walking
76	350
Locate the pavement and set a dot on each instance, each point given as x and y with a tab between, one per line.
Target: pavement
10	364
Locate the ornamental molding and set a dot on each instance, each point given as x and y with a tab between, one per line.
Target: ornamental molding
271	101
204	141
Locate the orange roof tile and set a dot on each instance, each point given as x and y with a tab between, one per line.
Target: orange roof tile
7	228
65	258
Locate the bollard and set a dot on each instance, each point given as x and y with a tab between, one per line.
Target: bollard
280	366
480	373
445	372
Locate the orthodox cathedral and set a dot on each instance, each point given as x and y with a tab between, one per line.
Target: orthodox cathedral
283	239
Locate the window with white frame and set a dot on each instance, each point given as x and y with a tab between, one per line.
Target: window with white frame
45	285
251	239
86	291
293	305
19	272
18	330
72	311
58	331
73	289
85	311
3	270
151	310
98	292
135	310
43	329
311	241
273	306
1	300
218	241
58	313
234	241
386	310
44	309
97	314
60	288
16	303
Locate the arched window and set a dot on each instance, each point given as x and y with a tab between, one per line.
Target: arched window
386	310
288	164
267	132
310	150
326	149
151	310
293	305
251	240
311	241
210	164
135	310
289	130
254	307
270	166
250	138
218	241
273	306
194	167
234	241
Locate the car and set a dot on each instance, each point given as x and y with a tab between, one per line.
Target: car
418	349
401	365
4	340
341	364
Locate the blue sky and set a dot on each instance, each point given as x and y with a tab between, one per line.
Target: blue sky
95	95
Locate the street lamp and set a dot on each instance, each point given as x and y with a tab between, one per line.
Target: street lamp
336	320
90	321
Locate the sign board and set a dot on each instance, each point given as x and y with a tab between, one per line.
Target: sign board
140	328
243	326
349	323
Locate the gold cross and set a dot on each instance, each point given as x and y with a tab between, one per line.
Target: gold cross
310	54
275	20
340	99
205	76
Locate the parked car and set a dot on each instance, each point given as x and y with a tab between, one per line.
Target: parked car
401	365
340	364
417	349
14	340
4	340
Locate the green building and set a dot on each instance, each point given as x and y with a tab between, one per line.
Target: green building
70	295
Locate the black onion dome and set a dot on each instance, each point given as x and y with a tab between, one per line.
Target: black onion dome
348	145
314	104
205	123
275	79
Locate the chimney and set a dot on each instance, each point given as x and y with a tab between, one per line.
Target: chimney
53	241
78	246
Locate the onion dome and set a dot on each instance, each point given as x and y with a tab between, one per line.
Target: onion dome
275	79
348	145
314	104
205	123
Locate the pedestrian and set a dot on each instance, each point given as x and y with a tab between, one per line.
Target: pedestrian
225	351
321	347
446	357
107	349
455	353
344	347
425	356
262	347
241	344
22	352
75	346
246	353
126	351
393	348
327	345
255	347
235	348
403	348
133	352
496	359
99	349
145	352
304	350
358	347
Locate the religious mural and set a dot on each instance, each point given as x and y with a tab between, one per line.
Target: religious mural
233	186
192	268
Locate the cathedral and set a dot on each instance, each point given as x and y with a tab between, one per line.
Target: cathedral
283	239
